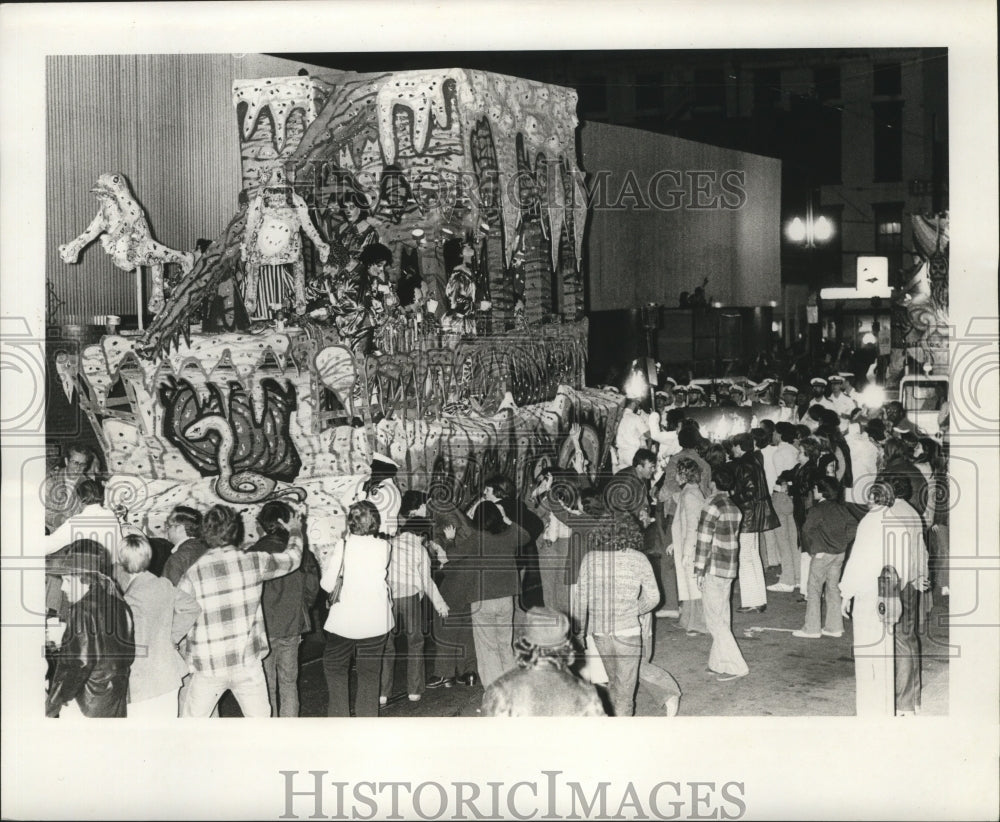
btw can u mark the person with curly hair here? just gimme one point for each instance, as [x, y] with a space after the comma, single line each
[615, 588]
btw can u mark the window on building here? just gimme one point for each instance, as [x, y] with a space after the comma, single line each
[888, 78]
[887, 124]
[710, 91]
[827, 82]
[593, 93]
[889, 236]
[827, 146]
[766, 89]
[648, 92]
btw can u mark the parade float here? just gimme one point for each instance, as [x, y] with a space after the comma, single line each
[248, 384]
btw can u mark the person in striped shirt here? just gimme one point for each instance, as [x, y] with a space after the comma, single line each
[716, 564]
[226, 647]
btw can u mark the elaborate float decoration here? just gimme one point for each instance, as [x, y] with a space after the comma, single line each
[410, 162]
[125, 236]
[920, 327]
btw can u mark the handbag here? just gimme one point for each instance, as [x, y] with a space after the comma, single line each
[334, 596]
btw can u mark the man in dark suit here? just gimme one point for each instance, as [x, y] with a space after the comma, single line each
[184, 531]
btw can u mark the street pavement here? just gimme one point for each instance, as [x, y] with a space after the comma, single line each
[788, 676]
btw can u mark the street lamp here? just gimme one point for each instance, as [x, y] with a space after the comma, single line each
[811, 230]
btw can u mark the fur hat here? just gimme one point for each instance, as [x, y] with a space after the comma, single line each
[545, 627]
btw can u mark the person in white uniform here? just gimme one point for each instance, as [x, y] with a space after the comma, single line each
[632, 434]
[839, 402]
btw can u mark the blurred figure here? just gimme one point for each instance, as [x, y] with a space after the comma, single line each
[97, 646]
[163, 616]
[555, 492]
[897, 462]
[542, 684]
[631, 435]
[897, 423]
[932, 461]
[501, 490]
[864, 465]
[840, 403]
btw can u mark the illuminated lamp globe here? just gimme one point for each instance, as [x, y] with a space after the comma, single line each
[823, 229]
[796, 231]
[869, 339]
[873, 396]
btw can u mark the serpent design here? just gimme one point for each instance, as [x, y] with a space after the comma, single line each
[244, 486]
[241, 439]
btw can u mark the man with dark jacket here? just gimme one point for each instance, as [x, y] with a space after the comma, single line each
[286, 602]
[751, 495]
[97, 648]
[500, 490]
[184, 531]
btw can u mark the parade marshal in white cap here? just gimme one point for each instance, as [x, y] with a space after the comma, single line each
[696, 395]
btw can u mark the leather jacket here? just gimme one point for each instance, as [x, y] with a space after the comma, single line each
[750, 493]
[94, 659]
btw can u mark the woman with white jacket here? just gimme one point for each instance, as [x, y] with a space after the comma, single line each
[684, 531]
[361, 617]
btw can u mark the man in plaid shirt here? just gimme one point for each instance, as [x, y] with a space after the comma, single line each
[226, 647]
[716, 564]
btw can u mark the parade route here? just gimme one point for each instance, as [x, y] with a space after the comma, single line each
[788, 676]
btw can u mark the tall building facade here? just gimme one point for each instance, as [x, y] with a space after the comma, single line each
[862, 135]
